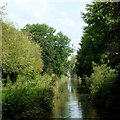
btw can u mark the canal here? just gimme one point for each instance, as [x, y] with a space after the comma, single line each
[75, 103]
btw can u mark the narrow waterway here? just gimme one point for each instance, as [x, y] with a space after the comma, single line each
[75, 103]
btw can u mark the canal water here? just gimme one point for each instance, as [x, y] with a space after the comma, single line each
[75, 103]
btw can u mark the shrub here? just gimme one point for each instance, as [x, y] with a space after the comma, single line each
[103, 86]
[28, 99]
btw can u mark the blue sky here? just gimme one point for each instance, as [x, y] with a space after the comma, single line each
[62, 15]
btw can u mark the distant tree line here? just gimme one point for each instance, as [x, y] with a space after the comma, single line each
[55, 47]
[35, 49]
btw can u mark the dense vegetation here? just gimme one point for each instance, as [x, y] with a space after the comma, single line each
[55, 48]
[72, 68]
[99, 55]
[32, 58]
[19, 54]
[28, 98]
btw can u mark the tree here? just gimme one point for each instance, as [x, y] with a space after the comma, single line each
[101, 37]
[55, 47]
[72, 68]
[43, 35]
[101, 46]
[63, 50]
[20, 55]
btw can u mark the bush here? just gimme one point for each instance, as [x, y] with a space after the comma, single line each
[103, 86]
[28, 99]
[20, 55]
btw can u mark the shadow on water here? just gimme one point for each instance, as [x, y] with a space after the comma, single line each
[75, 103]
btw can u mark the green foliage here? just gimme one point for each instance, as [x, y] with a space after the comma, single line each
[19, 54]
[55, 48]
[61, 86]
[63, 50]
[28, 99]
[103, 86]
[72, 68]
[23, 56]
[43, 35]
[100, 44]
[100, 38]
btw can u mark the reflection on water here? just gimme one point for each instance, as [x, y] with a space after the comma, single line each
[75, 104]
[69, 87]
[73, 107]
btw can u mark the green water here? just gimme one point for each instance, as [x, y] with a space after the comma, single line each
[75, 103]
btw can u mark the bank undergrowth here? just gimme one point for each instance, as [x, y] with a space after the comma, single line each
[28, 99]
[104, 87]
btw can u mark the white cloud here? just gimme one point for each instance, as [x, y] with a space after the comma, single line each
[63, 17]
[63, 13]
[35, 7]
[68, 1]
[39, 12]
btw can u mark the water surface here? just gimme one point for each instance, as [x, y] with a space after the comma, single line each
[75, 103]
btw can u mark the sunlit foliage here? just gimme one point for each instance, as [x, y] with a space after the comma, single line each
[19, 53]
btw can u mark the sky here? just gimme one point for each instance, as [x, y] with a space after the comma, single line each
[62, 15]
